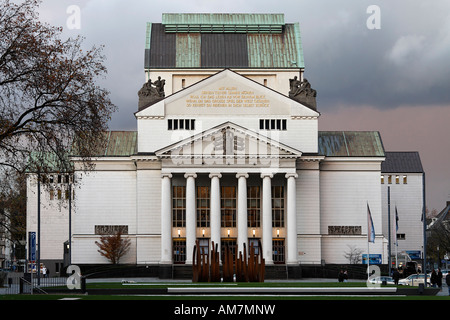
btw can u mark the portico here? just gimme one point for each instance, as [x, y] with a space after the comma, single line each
[228, 208]
[247, 193]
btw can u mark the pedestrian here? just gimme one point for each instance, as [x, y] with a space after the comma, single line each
[396, 276]
[433, 278]
[439, 279]
[44, 272]
[341, 276]
[345, 276]
[447, 280]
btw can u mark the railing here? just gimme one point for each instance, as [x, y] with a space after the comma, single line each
[20, 285]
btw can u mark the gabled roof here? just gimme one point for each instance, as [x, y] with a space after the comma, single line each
[402, 162]
[223, 41]
[157, 108]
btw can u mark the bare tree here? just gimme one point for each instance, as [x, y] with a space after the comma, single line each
[50, 106]
[354, 255]
[113, 247]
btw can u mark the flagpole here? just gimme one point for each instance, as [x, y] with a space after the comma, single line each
[396, 239]
[389, 229]
[368, 243]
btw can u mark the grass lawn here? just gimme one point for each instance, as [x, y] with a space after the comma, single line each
[158, 285]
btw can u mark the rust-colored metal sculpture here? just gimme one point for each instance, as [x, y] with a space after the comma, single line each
[206, 266]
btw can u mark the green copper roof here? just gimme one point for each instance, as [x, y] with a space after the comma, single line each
[350, 144]
[223, 41]
[223, 22]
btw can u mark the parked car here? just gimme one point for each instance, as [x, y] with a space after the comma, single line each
[381, 280]
[414, 280]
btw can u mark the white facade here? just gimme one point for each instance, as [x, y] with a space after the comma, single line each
[227, 157]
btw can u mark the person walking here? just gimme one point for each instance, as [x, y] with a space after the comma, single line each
[433, 278]
[439, 279]
[341, 276]
[396, 276]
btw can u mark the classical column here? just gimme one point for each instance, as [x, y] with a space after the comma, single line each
[190, 215]
[291, 221]
[267, 217]
[166, 219]
[215, 209]
[242, 211]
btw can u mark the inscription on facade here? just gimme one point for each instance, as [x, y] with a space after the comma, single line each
[344, 230]
[110, 229]
[227, 97]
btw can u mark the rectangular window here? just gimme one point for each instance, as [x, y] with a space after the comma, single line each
[278, 206]
[390, 179]
[273, 124]
[180, 124]
[229, 244]
[253, 243]
[203, 206]
[179, 251]
[228, 207]
[179, 206]
[382, 179]
[397, 179]
[253, 207]
[405, 179]
[278, 251]
[401, 236]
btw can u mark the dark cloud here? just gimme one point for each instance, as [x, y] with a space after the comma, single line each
[402, 66]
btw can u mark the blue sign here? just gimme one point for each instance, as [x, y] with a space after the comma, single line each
[416, 254]
[32, 246]
[374, 259]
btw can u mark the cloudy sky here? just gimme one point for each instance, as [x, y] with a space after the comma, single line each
[395, 79]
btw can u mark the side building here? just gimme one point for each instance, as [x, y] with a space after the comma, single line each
[402, 182]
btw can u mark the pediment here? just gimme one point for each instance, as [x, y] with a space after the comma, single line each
[227, 92]
[228, 141]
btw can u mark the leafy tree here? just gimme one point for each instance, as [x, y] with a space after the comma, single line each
[113, 247]
[49, 102]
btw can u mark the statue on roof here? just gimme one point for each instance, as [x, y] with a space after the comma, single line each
[302, 92]
[151, 92]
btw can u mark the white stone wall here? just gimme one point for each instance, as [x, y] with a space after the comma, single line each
[344, 195]
[103, 197]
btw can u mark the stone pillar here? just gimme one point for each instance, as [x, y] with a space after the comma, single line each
[215, 209]
[191, 220]
[242, 212]
[291, 221]
[166, 219]
[267, 217]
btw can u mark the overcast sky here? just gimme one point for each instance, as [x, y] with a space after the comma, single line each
[395, 79]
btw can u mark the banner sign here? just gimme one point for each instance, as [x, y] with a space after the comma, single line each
[32, 246]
